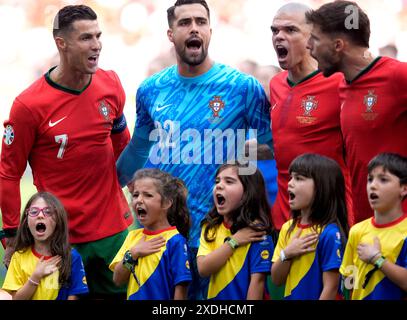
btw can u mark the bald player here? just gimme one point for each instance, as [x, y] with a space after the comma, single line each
[305, 105]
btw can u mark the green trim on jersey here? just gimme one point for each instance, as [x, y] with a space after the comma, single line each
[312, 74]
[62, 88]
[364, 71]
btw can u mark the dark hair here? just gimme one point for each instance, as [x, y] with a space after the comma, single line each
[331, 18]
[329, 204]
[68, 15]
[263, 151]
[178, 3]
[173, 189]
[391, 162]
[59, 241]
[254, 211]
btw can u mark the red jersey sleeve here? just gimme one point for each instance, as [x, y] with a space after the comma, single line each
[120, 141]
[18, 138]
[400, 77]
[401, 85]
[120, 133]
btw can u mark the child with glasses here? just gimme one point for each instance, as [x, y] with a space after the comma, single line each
[44, 266]
[375, 261]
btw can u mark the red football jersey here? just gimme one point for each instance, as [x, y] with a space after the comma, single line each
[304, 119]
[65, 135]
[373, 120]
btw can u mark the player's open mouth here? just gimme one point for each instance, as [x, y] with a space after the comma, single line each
[194, 44]
[93, 59]
[282, 52]
[291, 195]
[40, 227]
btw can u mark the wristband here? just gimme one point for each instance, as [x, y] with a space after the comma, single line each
[283, 257]
[377, 265]
[372, 257]
[232, 242]
[8, 233]
[130, 264]
[34, 283]
[128, 261]
[379, 262]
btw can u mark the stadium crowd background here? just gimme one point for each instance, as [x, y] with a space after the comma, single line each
[135, 44]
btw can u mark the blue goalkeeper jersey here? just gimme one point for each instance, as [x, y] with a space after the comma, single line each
[196, 124]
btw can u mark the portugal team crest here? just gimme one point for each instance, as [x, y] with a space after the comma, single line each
[370, 100]
[216, 105]
[104, 110]
[8, 135]
[309, 105]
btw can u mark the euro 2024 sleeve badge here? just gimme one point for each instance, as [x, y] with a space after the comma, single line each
[8, 135]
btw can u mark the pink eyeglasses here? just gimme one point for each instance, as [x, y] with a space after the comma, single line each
[35, 211]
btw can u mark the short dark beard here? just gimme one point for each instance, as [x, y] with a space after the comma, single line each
[330, 71]
[193, 61]
[333, 66]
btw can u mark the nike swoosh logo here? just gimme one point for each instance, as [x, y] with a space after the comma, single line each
[159, 108]
[51, 124]
[274, 106]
